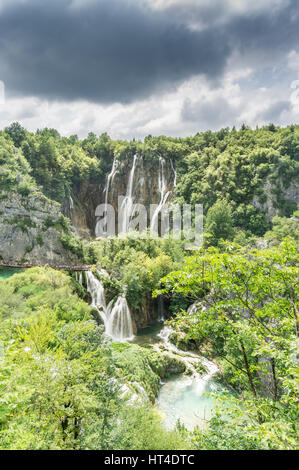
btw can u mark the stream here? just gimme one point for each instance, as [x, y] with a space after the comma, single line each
[183, 397]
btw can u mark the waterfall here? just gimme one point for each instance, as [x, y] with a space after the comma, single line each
[109, 181]
[161, 309]
[127, 205]
[162, 185]
[78, 277]
[174, 172]
[97, 292]
[116, 316]
[186, 397]
[110, 178]
[119, 323]
[71, 209]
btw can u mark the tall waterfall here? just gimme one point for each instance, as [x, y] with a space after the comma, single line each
[162, 184]
[71, 213]
[116, 316]
[136, 187]
[110, 178]
[127, 205]
[174, 172]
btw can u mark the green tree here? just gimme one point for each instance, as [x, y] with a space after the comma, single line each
[16, 132]
[219, 222]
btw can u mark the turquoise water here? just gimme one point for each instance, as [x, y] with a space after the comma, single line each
[5, 273]
[182, 397]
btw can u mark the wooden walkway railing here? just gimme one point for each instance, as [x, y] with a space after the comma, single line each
[6, 264]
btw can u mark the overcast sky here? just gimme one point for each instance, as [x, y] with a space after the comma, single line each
[138, 67]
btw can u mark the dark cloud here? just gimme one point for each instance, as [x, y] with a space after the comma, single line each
[118, 51]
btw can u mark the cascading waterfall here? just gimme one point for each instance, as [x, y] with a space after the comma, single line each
[185, 397]
[71, 203]
[190, 359]
[109, 181]
[79, 277]
[97, 292]
[162, 184]
[127, 206]
[71, 213]
[161, 317]
[116, 316]
[174, 172]
[119, 323]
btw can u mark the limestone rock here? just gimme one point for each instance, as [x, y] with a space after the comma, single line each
[29, 230]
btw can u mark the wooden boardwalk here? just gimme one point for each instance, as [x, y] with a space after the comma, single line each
[6, 264]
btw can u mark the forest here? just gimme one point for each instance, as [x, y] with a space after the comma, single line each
[65, 383]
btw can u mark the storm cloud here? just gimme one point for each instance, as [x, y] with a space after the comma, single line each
[121, 51]
[104, 52]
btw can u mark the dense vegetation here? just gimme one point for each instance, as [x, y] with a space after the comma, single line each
[247, 320]
[247, 170]
[64, 384]
[60, 379]
[139, 265]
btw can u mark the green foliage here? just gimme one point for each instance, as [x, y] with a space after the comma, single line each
[140, 428]
[145, 367]
[249, 425]
[134, 366]
[60, 380]
[15, 170]
[24, 223]
[138, 264]
[249, 323]
[219, 222]
[283, 227]
[73, 244]
[17, 133]
[211, 167]
[235, 166]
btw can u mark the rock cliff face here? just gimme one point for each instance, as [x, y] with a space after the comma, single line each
[144, 181]
[269, 205]
[30, 229]
[152, 181]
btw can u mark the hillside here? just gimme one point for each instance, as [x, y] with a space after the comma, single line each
[255, 172]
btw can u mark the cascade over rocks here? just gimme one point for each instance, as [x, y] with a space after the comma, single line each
[116, 316]
[138, 179]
